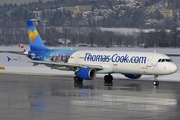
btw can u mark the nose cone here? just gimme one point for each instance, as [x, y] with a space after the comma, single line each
[173, 68]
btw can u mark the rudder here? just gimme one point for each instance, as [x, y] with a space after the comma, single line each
[36, 43]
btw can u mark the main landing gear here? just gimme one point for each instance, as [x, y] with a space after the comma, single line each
[156, 82]
[78, 79]
[108, 78]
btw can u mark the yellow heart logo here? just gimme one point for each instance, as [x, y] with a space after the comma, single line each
[32, 35]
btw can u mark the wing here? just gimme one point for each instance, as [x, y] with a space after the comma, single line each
[61, 64]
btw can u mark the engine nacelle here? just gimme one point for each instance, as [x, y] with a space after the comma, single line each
[87, 73]
[136, 76]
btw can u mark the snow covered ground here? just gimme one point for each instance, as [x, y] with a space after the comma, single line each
[27, 68]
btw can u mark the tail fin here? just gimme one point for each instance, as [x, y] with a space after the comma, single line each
[36, 43]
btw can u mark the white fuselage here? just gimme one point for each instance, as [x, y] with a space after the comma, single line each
[144, 63]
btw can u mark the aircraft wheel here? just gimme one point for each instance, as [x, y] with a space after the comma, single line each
[156, 83]
[78, 79]
[108, 78]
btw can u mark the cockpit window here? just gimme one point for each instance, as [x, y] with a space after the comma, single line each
[168, 60]
[165, 60]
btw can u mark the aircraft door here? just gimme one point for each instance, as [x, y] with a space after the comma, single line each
[149, 61]
[77, 58]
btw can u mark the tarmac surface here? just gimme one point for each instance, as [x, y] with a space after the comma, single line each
[28, 97]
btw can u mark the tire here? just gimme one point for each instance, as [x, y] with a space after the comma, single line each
[156, 83]
[106, 79]
[110, 77]
[76, 79]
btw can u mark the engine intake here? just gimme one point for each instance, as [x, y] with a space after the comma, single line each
[87, 73]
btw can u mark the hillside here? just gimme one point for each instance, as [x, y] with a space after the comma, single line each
[2, 2]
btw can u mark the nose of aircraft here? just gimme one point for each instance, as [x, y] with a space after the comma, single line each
[173, 68]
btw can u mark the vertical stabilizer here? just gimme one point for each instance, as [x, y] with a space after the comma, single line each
[36, 43]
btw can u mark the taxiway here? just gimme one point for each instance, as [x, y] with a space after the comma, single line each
[38, 97]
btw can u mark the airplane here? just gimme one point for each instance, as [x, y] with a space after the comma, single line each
[87, 64]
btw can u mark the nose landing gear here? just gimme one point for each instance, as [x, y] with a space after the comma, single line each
[156, 82]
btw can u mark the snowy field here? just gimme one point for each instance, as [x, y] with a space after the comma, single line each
[27, 68]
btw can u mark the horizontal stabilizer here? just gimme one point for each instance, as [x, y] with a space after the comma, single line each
[14, 52]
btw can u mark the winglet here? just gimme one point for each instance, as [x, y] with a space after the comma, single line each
[8, 58]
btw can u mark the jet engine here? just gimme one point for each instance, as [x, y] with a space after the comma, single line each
[87, 73]
[136, 76]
